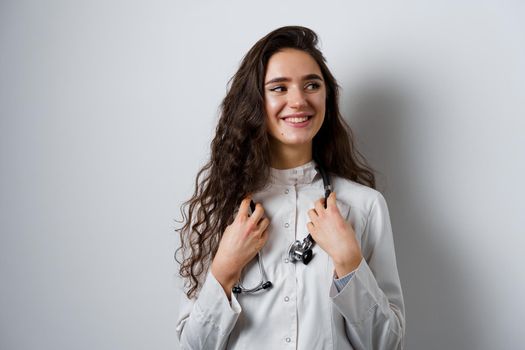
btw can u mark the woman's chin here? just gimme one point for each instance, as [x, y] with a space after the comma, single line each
[296, 143]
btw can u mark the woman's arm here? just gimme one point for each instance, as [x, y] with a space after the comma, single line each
[206, 323]
[372, 301]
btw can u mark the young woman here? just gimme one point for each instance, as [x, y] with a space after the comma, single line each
[310, 263]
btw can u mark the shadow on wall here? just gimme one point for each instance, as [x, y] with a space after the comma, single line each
[384, 120]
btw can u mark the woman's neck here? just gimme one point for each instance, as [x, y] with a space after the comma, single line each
[286, 157]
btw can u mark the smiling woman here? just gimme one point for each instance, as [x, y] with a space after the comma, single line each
[258, 211]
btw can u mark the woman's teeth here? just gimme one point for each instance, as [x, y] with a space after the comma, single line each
[297, 120]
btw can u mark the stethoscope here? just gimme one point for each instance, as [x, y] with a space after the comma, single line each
[298, 251]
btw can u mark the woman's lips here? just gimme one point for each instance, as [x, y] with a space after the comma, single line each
[297, 120]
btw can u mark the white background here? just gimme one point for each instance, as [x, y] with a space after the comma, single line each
[108, 107]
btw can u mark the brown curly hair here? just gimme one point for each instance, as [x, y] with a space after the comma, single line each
[240, 156]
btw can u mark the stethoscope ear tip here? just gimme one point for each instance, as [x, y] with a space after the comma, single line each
[267, 285]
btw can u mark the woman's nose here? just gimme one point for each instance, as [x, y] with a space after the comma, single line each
[296, 98]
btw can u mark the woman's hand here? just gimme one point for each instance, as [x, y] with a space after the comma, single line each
[239, 244]
[334, 235]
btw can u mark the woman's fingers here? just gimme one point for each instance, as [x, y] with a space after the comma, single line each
[264, 235]
[260, 241]
[263, 238]
[332, 200]
[257, 215]
[311, 228]
[263, 225]
[319, 206]
[256, 222]
[312, 214]
[244, 208]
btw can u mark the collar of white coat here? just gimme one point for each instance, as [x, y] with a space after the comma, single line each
[303, 174]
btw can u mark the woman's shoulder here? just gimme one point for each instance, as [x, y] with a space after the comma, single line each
[355, 194]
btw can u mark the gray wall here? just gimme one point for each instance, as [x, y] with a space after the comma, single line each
[107, 110]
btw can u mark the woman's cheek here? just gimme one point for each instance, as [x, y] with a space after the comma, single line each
[273, 104]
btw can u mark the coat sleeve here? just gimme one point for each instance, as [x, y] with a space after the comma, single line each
[372, 301]
[207, 321]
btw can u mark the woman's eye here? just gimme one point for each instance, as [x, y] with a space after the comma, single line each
[278, 89]
[313, 86]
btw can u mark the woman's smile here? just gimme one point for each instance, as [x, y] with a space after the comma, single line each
[297, 120]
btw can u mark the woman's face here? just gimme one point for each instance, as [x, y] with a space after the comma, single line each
[295, 95]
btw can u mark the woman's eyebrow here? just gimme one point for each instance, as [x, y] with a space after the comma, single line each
[306, 77]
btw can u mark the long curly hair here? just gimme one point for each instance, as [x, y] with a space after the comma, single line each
[240, 158]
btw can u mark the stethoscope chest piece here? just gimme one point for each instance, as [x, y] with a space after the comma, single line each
[301, 251]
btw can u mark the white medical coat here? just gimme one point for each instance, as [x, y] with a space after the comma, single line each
[304, 309]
